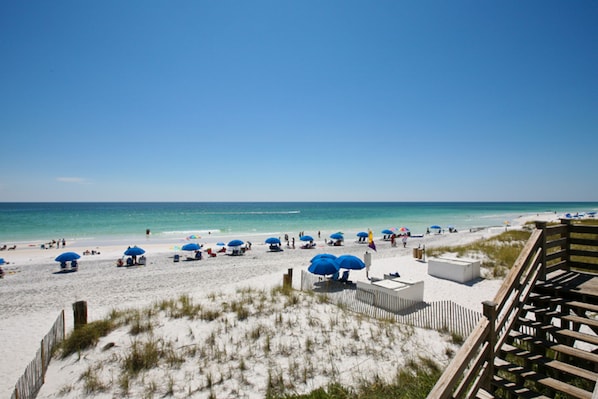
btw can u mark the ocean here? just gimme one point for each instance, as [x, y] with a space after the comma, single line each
[102, 223]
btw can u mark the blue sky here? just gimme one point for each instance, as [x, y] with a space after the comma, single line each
[298, 100]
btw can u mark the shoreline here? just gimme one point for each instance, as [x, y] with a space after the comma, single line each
[32, 295]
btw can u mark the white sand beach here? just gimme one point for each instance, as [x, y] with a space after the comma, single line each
[32, 295]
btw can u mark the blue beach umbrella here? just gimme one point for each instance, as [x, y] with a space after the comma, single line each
[387, 231]
[220, 244]
[350, 262]
[235, 243]
[307, 238]
[1, 261]
[435, 227]
[134, 251]
[324, 266]
[67, 257]
[337, 236]
[192, 246]
[272, 240]
[362, 234]
[322, 256]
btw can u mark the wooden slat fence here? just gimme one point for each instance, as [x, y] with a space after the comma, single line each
[32, 379]
[445, 316]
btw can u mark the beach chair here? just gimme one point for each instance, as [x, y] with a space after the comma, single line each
[176, 258]
[345, 277]
[63, 266]
[142, 260]
[74, 265]
[129, 261]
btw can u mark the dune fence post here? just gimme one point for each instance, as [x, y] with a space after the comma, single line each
[80, 313]
[287, 279]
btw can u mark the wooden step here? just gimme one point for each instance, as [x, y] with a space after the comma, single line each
[507, 349]
[553, 364]
[552, 383]
[581, 320]
[544, 312]
[582, 305]
[578, 353]
[572, 370]
[564, 349]
[518, 390]
[590, 339]
[541, 300]
[538, 325]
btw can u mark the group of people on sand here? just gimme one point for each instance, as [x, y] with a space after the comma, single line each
[7, 248]
[393, 240]
[51, 244]
[131, 261]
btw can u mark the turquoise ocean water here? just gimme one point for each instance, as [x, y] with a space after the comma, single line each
[106, 222]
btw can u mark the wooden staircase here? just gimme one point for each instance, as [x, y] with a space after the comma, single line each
[551, 352]
[539, 336]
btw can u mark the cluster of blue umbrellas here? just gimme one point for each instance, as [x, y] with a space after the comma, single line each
[325, 264]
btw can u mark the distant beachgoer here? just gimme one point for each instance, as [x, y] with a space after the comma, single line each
[405, 241]
[147, 232]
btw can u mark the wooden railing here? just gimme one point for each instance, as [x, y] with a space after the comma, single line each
[565, 246]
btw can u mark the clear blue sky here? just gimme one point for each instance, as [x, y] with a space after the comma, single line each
[298, 100]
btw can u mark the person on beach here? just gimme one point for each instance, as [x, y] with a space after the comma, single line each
[405, 241]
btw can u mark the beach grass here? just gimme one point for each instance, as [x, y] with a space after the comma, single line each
[86, 336]
[414, 381]
[247, 330]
